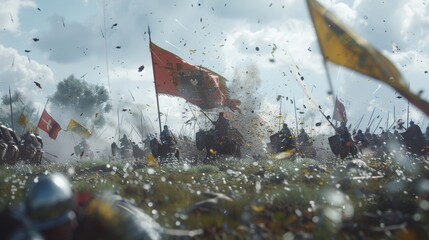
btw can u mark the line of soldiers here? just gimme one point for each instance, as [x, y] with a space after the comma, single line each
[412, 138]
[28, 147]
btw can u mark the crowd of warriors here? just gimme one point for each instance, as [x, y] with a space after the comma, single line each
[407, 140]
[28, 147]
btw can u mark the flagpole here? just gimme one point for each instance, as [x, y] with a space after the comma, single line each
[408, 108]
[296, 117]
[119, 127]
[11, 112]
[154, 80]
[42, 112]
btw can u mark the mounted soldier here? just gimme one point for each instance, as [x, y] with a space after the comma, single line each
[165, 149]
[303, 138]
[305, 145]
[221, 128]
[361, 139]
[125, 142]
[223, 139]
[167, 137]
[286, 139]
[414, 139]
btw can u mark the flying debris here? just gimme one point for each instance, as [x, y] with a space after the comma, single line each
[64, 25]
[27, 51]
[81, 114]
[257, 48]
[39, 9]
[35, 39]
[83, 75]
[318, 124]
[132, 95]
[114, 25]
[11, 18]
[118, 47]
[141, 68]
[124, 110]
[38, 84]
[96, 114]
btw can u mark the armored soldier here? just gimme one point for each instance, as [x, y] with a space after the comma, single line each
[221, 127]
[167, 137]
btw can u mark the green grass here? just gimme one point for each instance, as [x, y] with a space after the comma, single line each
[270, 197]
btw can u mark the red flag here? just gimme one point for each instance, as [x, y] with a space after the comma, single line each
[339, 111]
[198, 85]
[49, 125]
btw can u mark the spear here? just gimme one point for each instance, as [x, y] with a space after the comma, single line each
[357, 127]
[370, 118]
[10, 103]
[375, 129]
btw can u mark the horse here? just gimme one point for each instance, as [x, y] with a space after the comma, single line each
[163, 152]
[229, 145]
[342, 149]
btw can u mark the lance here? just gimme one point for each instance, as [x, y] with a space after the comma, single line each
[328, 119]
[375, 129]
[370, 118]
[208, 117]
[357, 127]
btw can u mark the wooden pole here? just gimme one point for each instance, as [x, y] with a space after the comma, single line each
[156, 88]
[11, 112]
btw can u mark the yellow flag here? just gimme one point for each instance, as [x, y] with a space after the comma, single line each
[342, 46]
[78, 129]
[23, 120]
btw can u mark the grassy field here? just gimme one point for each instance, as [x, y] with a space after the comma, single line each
[264, 199]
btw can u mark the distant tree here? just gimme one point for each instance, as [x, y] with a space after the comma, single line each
[20, 105]
[82, 99]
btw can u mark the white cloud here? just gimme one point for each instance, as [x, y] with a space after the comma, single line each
[20, 73]
[9, 13]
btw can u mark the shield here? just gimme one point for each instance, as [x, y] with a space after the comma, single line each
[275, 138]
[200, 140]
[155, 147]
[335, 144]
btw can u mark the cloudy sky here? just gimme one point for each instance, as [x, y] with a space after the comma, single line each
[105, 41]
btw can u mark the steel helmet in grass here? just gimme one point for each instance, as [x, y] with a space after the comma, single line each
[49, 201]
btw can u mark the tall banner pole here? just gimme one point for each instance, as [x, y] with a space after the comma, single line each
[119, 126]
[296, 117]
[156, 88]
[11, 112]
[43, 112]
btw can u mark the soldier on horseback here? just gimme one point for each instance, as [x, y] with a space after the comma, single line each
[343, 132]
[167, 137]
[221, 128]
[303, 138]
[286, 139]
[361, 139]
[414, 139]
[125, 142]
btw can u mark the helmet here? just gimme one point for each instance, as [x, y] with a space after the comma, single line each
[49, 202]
